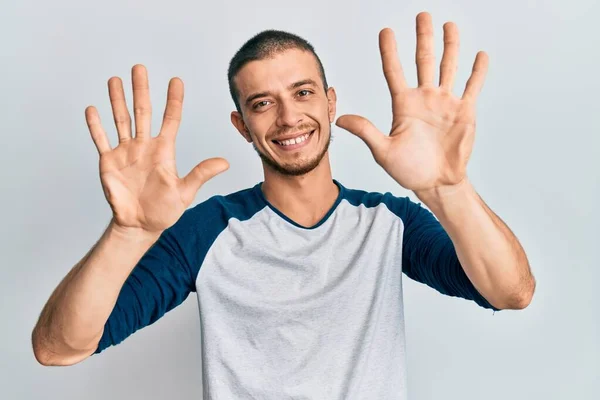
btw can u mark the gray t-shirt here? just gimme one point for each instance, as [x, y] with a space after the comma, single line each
[293, 312]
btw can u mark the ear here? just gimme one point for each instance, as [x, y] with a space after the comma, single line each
[331, 103]
[238, 121]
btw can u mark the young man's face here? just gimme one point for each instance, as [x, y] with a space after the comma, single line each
[286, 112]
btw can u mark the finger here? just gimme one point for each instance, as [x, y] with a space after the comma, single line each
[119, 108]
[96, 131]
[449, 63]
[392, 69]
[173, 109]
[201, 174]
[142, 109]
[475, 82]
[365, 130]
[425, 58]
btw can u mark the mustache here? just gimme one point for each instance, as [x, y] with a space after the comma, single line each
[297, 129]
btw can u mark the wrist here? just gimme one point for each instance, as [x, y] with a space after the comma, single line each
[443, 198]
[132, 235]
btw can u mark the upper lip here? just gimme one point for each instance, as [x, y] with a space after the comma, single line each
[293, 136]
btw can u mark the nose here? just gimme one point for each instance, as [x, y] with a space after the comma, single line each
[288, 114]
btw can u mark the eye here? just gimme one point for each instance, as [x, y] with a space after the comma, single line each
[304, 92]
[260, 104]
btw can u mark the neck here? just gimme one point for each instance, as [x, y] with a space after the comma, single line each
[305, 199]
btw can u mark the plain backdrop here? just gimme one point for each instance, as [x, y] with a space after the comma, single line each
[535, 162]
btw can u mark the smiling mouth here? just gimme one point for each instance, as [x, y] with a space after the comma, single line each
[294, 141]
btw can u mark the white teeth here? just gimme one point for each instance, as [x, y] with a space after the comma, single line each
[297, 140]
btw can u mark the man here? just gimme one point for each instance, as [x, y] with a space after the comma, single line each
[299, 278]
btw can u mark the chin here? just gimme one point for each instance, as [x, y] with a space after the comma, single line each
[299, 167]
[295, 169]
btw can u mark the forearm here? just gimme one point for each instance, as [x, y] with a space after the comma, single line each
[488, 251]
[72, 321]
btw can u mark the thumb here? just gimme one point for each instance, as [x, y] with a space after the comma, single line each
[201, 174]
[364, 129]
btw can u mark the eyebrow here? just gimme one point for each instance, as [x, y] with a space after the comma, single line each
[294, 85]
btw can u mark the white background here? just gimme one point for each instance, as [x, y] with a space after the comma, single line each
[535, 162]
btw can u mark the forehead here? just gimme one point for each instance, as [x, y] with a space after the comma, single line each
[277, 72]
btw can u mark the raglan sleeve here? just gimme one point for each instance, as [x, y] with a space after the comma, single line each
[161, 280]
[429, 255]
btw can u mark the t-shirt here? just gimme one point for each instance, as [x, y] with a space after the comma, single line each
[294, 312]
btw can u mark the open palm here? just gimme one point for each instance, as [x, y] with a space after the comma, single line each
[139, 176]
[432, 132]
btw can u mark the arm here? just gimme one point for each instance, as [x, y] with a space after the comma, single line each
[72, 321]
[427, 151]
[488, 251]
[138, 270]
[428, 254]
[126, 282]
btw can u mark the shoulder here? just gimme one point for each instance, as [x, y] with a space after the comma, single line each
[402, 206]
[198, 228]
[213, 214]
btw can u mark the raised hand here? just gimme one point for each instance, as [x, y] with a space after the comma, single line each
[432, 130]
[139, 176]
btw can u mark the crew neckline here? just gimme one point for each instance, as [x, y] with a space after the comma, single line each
[261, 195]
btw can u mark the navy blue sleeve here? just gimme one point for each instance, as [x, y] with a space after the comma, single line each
[428, 254]
[162, 279]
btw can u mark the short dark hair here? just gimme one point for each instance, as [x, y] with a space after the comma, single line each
[264, 45]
